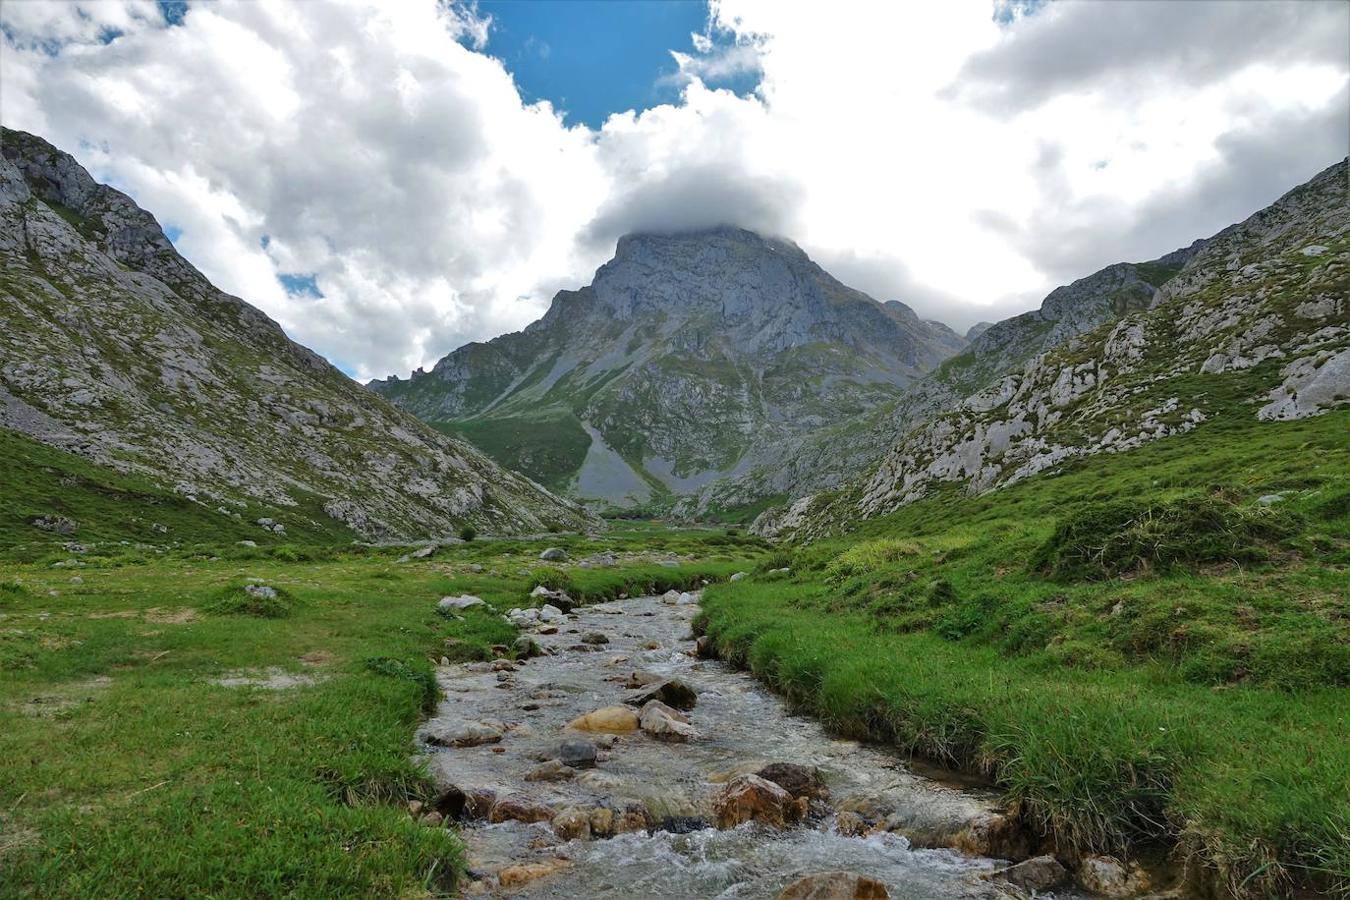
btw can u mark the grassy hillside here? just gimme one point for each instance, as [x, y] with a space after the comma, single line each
[38, 481]
[131, 771]
[1148, 647]
[549, 447]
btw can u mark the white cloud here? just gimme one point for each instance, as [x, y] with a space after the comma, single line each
[925, 153]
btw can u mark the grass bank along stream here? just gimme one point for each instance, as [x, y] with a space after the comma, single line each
[166, 733]
[1150, 648]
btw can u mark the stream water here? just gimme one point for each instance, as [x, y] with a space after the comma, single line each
[741, 726]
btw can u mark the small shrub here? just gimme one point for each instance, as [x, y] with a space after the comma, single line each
[258, 600]
[12, 590]
[419, 672]
[553, 579]
[1110, 539]
[468, 533]
[965, 618]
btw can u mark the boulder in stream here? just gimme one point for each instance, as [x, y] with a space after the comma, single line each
[749, 798]
[1040, 873]
[799, 781]
[670, 691]
[610, 719]
[577, 754]
[835, 886]
[462, 734]
[519, 808]
[664, 723]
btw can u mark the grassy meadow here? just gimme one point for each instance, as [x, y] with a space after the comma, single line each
[131, 770]
[1149, 650]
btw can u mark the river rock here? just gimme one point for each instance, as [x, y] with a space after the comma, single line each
[670, 597]
[462, 734]
[552, 770]
[464, 601]
[594, 637]
[611, 719]
[850, 824]
[665, 723]
[1110, 877]
[749, 798]
[553, 554]
[578, 754]
[573, 824]
[641, 679]
[551, 614]
[519, 874]
[1040, 873]
[835, 886]
[704, 647]
[670, 691]
[799, 781]
[519, 809]
[526, 647]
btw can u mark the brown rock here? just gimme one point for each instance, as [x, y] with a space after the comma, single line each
[573, 824]
[850, 824]
[520, 874]
[1040, 873]
[748, 798]
[520, 809]
[610, 719]
[670, 691]
[552, 770]
[799, 781]
[1110, 877]
[433, 819]
[835, 886]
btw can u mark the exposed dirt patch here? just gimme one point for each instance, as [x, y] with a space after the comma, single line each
[317, 658]
[162, 616]
[272, 679]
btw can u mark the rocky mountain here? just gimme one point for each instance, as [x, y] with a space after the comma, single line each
[690, 357]
[825, 458]
[1252, 327]
[113, 347]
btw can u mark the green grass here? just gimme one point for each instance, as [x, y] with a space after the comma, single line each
[548, 448]
[1135, 650]
[128, 771]
[37, 480]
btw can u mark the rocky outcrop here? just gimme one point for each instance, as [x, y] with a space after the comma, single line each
[1252, 308]
[113, 347]
[689, 357]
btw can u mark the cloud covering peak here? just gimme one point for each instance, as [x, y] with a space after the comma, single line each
[369, 175]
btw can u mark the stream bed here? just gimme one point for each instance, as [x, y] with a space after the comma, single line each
[501, 723]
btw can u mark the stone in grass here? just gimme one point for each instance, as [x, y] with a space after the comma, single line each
[553, 554]
[835, 886]
[463, 601]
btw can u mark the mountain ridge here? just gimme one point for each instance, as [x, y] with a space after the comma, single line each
[117, 349]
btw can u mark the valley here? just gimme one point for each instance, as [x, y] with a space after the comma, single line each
[1061, 607]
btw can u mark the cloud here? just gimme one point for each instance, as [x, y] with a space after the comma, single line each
[371, 178]
[1122, 48]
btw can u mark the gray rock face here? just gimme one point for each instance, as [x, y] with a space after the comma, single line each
[688, 358]
[978, 377]
[114, 347]
[1245, 299]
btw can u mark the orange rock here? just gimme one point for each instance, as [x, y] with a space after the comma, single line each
[835, 886]
[610, 719]
[749, 798]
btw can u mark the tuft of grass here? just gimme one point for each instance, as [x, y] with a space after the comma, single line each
[238, 600]
[1123, 536]
[418, 672]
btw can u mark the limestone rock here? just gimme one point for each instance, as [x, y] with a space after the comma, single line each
[670, 691]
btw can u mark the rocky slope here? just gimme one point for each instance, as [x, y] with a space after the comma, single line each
[825, 458]
[112, 346]
[1254, 324]
[689, 357]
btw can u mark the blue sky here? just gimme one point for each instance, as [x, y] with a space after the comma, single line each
[591, 58]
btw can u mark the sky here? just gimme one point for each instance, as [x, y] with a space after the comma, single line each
[391, 180]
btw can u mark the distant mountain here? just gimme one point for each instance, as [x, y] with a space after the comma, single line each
[113, 347]
[825, 458]
[1250, 326]
[689, 357]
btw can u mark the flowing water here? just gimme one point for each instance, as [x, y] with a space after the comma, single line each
[741, 727]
